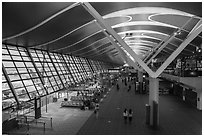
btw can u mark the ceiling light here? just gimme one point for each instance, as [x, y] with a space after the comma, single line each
[177, 32]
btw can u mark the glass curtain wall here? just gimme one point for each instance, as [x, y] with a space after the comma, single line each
[7, 96]
[30, 73]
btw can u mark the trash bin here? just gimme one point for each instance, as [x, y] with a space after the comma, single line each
[147, 107]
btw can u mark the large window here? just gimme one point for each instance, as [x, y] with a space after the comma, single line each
[35, 72]
[78, 64]
[83, 68]
[7, 96]
[47, 71]
[86, 67]
[93, 65]
[72, 68]
[89, 66]
[61, 68]
[21, 72]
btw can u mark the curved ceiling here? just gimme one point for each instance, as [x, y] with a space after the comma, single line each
[69, 29]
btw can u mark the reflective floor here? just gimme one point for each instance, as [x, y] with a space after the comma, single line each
[176, 117]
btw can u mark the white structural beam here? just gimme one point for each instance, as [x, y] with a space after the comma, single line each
[166, 41]
[190, 37]
[122, 54]
[198, 24]
[161, 47]
[108, 28]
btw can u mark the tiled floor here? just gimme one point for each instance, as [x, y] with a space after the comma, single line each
[66, 121]
[176, 117]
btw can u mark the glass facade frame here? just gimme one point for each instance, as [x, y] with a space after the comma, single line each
[30, 70]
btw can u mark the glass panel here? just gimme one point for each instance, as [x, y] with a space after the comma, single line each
[14, 77]
[23, 54]
[19, 64]
[28, 82]
[6, 57]
[25, 76]
[14, 52]
[22, 70]
[8, 64]
[4, 51]
[7, 95]
[26, 58]
[29, 64]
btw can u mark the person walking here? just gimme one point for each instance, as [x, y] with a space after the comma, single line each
[125, 115]
[118, 87]
[96, 111]
[129, 88]
[130, 115]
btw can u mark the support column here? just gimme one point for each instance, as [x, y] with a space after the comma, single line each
[154, 101]
[140, 80]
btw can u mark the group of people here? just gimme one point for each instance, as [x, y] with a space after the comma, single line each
[127, 115]
[125, 80]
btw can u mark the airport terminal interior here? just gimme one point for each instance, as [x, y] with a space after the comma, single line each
[102, 68]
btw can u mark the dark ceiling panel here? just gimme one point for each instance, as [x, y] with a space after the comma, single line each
[105, 46]
[190, 25]
[116, 20]
[175, 20]
[99, 49]
[104, 8]
[85, 42]
[92, 46]
[75, 37]
[191, 48]
[27, 14]
[197, 41]
[101, 52]
[175, 41]
[18, 17]
[168, 48]
[91, 50]
[55, 28]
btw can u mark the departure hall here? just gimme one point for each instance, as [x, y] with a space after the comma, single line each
[101, 68]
